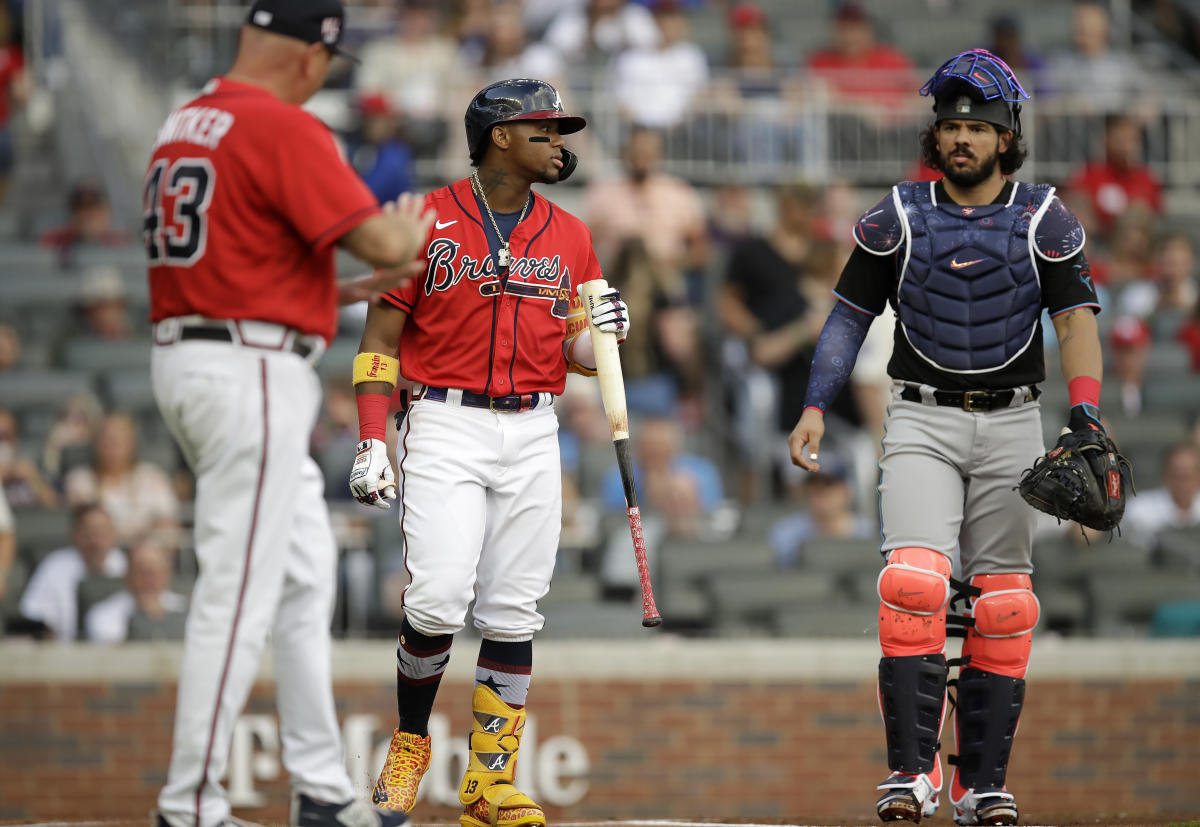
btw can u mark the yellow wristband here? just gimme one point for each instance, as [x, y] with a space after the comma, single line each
[375, 367]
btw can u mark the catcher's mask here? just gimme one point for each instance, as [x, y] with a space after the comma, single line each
[976, 85]
[518, 99]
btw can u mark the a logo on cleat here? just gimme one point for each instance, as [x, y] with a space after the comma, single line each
[495, 761]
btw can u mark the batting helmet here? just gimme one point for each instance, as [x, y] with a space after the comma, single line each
[977, 85]
[519, 99]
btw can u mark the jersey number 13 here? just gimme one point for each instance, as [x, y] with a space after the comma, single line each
[186, 186]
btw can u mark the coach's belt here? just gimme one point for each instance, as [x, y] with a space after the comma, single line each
[222, 334]
[242, 332]
[974, 401]
[508, 404]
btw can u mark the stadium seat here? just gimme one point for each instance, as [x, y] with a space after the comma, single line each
[1167, 361]
[1064, 608]
[750, 595]
[1178, 549]
[593, 620]
[170, 627]
[41, 531]
[338, 359]
[1123, 604]
[684, 606]
[841, 556]
[90, 592]
[20, 257]
[571, 589]
[833, 619]
[131, 390]
[1173, 396]
[14, 585]
[93, 355]
[690, 561]
[23, 389]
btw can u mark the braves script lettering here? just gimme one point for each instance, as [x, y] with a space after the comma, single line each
[447, 268]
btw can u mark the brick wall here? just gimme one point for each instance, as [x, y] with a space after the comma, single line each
[772, 745]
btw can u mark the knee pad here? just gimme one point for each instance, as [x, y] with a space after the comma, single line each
[914, 588]
[1004, 616]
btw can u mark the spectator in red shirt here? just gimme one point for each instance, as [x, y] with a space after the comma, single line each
[1189, 336]
[90, 222]
[858, 69]
[1107, 187]
[14, 89]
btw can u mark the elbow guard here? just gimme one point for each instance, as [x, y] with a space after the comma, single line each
[577, 343]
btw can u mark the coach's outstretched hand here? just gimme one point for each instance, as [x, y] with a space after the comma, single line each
[371, 478]
[805, 440]
[391, 240]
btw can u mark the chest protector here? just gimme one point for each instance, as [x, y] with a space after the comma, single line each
[968, 296]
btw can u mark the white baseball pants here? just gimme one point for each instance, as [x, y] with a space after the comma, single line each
[482, 497]
[267, 564]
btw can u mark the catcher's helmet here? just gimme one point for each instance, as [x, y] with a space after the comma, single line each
[519, 99]
[977, 85]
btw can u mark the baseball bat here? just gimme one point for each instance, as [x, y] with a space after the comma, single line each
[612, 392]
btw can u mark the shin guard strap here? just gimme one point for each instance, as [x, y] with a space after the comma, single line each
[989, 706]
[912, 693]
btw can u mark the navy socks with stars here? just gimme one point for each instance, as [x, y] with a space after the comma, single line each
[420, 662]
[504, 667]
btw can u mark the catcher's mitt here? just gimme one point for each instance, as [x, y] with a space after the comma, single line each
[1083, 478]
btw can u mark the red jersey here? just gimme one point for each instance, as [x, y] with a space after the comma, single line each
[883, 75]
[1111, 190]
[474, 327]
[12, 61]
[243, 201]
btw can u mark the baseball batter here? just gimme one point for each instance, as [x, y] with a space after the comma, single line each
[486, 337]
[245, 197]
[968, 263]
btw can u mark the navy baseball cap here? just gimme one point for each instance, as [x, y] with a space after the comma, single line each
[313, 21]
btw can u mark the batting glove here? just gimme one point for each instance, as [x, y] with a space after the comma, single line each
[611, 314]
[371, 479]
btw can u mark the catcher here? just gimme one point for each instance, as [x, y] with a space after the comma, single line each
[968, 263]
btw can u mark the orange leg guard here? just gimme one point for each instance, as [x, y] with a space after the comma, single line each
[914, 588]
[1005, 615]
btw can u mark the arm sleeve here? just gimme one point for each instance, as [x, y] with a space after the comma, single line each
[837, 348]
[1067, 284]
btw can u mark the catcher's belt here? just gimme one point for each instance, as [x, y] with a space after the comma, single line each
[974, 401]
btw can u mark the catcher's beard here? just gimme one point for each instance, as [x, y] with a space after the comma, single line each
[967, 178]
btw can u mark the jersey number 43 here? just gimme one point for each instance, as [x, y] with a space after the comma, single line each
[181, 189]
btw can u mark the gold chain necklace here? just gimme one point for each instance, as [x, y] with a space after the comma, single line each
[504, 257]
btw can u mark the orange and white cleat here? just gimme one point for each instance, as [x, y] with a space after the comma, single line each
[407, 760]
[909, 797]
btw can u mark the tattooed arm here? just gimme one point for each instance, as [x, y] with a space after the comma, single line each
[1082, 361]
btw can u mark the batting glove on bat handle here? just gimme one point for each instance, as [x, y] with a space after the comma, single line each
[611, 314]
[372, 481]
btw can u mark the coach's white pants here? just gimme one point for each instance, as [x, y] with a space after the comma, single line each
[267, 568]
[482, 496]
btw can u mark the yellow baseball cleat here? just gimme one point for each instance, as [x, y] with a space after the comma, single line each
[487, 792]
[407, 760]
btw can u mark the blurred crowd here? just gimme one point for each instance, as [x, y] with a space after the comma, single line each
[729, 282]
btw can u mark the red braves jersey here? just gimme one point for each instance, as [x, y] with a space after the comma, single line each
[243, 201]
[471, 326]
